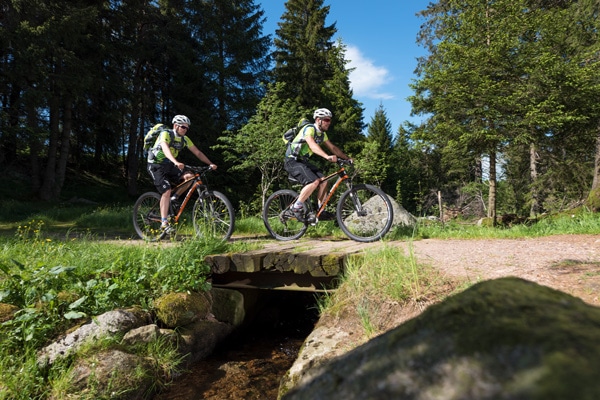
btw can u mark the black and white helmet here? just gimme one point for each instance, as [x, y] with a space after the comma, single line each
[322, 113]
[181, 119]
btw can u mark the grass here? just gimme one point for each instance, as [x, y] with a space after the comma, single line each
[388, 275]
[384, 276]
[57, 281]
[578, 221]
[56, 267]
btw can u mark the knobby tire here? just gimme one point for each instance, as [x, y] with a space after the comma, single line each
[146, 217]
[213, 216]
[278, 220]
[365, 213]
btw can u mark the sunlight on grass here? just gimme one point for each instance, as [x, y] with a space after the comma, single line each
[386, 275]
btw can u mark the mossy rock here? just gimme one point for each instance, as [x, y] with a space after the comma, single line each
[181, 309]
[507, 338]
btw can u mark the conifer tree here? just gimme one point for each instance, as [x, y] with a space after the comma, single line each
[314, 69]
[302, 44]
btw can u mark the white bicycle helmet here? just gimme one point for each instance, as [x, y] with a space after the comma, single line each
[322, 113]
[181, 119]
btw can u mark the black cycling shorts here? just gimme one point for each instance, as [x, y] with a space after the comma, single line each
[302, 171]
[163, 174]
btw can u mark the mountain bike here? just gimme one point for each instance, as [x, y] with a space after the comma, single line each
[364, 212]
[212, 214]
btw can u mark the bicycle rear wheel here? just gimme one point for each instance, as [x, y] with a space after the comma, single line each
[365, 213]
[278, 218]
[146, 217]
[213, 216]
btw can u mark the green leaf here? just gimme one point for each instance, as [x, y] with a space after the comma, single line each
[77, 303]
[75, 315]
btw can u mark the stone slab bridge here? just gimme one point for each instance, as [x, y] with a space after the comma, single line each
[301, 265]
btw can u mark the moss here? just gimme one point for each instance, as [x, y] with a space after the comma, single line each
[505, 338]
[593, 200]
[331, 264]
[517, 328]
[180, 309]
[7, 312]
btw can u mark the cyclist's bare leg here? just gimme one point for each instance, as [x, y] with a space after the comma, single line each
[322, 192]
[308, 190]
[165, 201]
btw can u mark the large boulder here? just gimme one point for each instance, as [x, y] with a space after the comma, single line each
[506, 338]
[110, 323]
[401, 216]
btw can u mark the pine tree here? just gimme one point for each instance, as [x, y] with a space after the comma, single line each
[314, 70]
[374, 159]
[302, 45]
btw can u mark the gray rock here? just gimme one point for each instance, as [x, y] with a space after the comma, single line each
[228, 306]
[109, 323]
[401, 216]
[110, 374]
[506, 338]
[198, 340]
[143, 334]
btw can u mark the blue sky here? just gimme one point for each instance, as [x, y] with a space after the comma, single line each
[380, 36]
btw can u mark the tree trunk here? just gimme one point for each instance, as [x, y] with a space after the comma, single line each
[492, 192]
[65, 145]
[596, 180]
[35, 147]
[50, 171]
[593, 200]
[133, 149]
[533, 175]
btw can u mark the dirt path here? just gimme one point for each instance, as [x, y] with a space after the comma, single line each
[570, 263]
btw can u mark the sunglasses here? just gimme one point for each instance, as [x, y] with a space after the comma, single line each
[326, 119]
[184, 127]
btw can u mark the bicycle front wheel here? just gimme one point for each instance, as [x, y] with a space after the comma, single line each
[278, 218]
[213, 216]
[146, 217]
[365, 213]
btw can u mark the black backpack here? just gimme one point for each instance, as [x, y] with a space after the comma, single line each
[291, 133]
[152, 135]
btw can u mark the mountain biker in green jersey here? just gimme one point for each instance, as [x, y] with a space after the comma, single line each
[306, 143]
[163, 165]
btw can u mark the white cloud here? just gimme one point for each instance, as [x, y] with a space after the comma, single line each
[366, 79]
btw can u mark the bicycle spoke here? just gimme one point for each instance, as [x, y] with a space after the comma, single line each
[146, 217]
[278, 218]
[213, 216]
[366, 213]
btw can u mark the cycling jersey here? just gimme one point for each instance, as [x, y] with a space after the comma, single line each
[178, 143]
[299, 148]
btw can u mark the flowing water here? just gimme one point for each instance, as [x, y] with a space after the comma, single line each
[250, 365]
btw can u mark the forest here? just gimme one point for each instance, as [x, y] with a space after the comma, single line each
[508, 94]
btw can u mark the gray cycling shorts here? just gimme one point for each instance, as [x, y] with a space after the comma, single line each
[302, 171]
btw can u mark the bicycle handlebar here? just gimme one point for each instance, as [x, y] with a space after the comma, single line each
[198, 169]
[342, 162]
